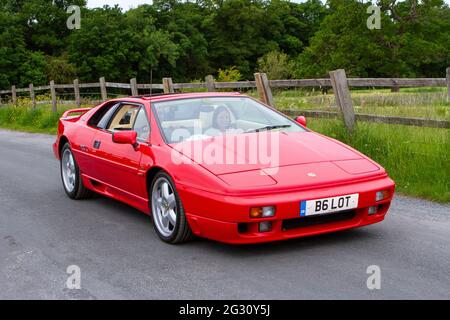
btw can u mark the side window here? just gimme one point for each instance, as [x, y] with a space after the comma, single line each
[124, 118]
[141, 125]
[101, 118]
[103, 123]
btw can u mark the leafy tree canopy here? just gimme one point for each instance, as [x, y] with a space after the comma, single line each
[413, 40]
[188, 40]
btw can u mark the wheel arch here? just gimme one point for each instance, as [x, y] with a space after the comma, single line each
[150, 175]
[62, 141]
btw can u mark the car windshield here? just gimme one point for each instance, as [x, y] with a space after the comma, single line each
[202, 118]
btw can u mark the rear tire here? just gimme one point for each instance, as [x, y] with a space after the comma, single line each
[169, 219]
[71, 177]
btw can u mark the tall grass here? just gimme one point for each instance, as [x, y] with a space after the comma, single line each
[28, 120]
[429, 103]
[41, 119]
[417, 158]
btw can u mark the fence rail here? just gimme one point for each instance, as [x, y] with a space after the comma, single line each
[299, 83]
[338, 81]
[420, 122]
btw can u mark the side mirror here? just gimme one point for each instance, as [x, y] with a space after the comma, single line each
[301, 120]
[125, 137]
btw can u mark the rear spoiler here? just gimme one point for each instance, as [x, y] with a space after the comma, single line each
[74, 113]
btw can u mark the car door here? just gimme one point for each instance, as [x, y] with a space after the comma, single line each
[117, 165]
[83, 144]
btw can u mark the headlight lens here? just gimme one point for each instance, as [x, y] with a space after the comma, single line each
[262, 212]
[381, 195]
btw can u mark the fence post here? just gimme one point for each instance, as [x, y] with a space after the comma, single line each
[13, 95]
[448, 84]
[103, 89]
[210, 83]
[343, 98]
[53, 94]
[134, 89]
[76, 91]
[168, 85]
[395, 87]
[263, 87]
[32, 96]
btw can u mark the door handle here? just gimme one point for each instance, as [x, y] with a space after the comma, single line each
[97, 144]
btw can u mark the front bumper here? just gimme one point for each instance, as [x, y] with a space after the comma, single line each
[226, 218]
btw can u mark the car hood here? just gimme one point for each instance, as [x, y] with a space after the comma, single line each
[238, 153]
[287, 157]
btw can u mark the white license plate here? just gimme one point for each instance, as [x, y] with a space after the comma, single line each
[327, 205]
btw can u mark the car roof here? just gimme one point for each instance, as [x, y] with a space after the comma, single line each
[176, 96]
[167, 97]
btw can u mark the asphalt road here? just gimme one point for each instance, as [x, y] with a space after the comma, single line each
[42, 232]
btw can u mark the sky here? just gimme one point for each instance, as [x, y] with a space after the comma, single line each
[127, 4]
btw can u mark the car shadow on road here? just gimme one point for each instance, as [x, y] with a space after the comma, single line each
[329, 240]
[121, 209]
[335, 239]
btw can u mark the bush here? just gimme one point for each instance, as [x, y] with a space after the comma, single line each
[276, 64]
[229, 75]
[60, 69]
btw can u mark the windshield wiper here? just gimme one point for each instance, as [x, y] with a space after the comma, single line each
[278, 126]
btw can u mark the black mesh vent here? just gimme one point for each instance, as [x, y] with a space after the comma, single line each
[303, 222]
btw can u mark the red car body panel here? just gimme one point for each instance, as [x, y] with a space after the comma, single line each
[217, 198]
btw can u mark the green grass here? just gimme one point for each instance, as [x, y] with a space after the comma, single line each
[417, 158]
[40, 120]
[428, 103]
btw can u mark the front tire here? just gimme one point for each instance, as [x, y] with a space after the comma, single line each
[169, 219]
[71, 177]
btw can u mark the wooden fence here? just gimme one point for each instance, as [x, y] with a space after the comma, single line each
[338, 81]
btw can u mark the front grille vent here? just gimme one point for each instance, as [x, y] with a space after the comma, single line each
[304, 222]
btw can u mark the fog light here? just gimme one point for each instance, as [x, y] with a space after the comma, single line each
[265, 226]
[381, 195]
[262, 212]
[372, 210]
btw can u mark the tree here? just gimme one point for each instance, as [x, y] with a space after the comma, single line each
[44, 23]
[184, 23]
[236, 35]
[408, 44]
[190, 39]
[119, 46]
[291, 25]
[18, 65]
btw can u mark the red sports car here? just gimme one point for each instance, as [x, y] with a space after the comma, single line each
[221, 166]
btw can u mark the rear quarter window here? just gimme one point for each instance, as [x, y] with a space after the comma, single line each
[101, 117]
